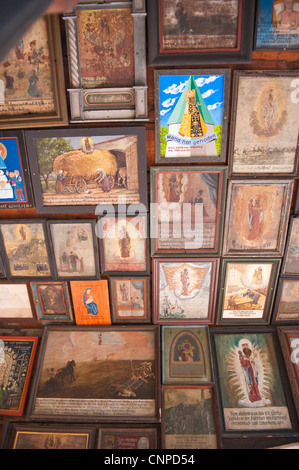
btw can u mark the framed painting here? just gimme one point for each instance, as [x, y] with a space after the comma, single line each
[97, 374]
[107, 63]
[289, 342]
[25, 436]
[124, 244]
[32, 85]
[187, 210]
[182, 33]
[191, 115]
[15, 182]
[277, 25]
[291, 255]
[286, 307]
[74, 247]
[91, 302]
[247, 290]
[257, 214]
[254, 398]
[130, 299]
[189, 419]
[52, 301]
[264, 130]
[121, 437]
[15, 303]
[81, 170]
[186, 357]
[25, 249]
[17, 356]
[184, 290]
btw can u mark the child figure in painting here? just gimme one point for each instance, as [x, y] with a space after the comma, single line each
[91, 306]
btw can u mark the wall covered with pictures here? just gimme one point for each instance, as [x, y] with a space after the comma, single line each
[149, 227]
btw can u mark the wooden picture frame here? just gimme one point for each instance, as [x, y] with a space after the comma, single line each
[25, 436]
[122, 437]
[257, 214]
[16, 304]
[262, 140]
[130, 299]
[36, 95]
[273, 31]
[186, 356]
[187, 213]
[107, 64]
[289, 340]
[18, 353]
[195, 46]
[74, 248]
[75, 156]
[16, 190]
[184, 290]
[285, 310]
[185, 96]
[68, 162]
[124, 244]
[289, 262]
[185, 403]
[107, 395]
[52, 302]
[247, 291]
[246, 411]
[91, 302]
[29, 237]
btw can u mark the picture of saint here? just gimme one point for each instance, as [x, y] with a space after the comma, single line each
[256, 219]
[88, 300]
[52, 299]
[91, 302]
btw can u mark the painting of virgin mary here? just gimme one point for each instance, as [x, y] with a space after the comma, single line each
[92, 308]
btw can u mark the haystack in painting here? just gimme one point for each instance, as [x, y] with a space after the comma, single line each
[78, 163]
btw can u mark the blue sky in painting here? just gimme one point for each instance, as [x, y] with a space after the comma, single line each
[211, 88]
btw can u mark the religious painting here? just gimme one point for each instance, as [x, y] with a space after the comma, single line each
[247, 290]
[214, 32]
[124, 438]
[15, 183]
[191, 115]
[290, 265]
[189, 417]
[289, 342]
[123, 244]
[252, 389]
[264, 131]
[257, 215]
[187, 210]
[28, 436]
[130, 299]
[32, 92]
[74, 248]
[52, 301]
[91, 302]
[184, 290]
[186, 355]
[83, 170]
[17, 354]
[15, 302]
[107, 63]
[97, 374]
[286, 308]
[277, 25]
[25, 248]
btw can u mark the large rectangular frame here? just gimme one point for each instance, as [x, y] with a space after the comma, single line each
[241, 54]
[113, 106]
[60, 116]
[225, 102]
[140, 134]
[100, 411]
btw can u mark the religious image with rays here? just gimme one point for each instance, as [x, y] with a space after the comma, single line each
[184, 289]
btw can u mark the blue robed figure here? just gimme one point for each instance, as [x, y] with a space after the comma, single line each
[91, 306]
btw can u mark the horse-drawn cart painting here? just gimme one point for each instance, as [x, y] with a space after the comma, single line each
[71, 168]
